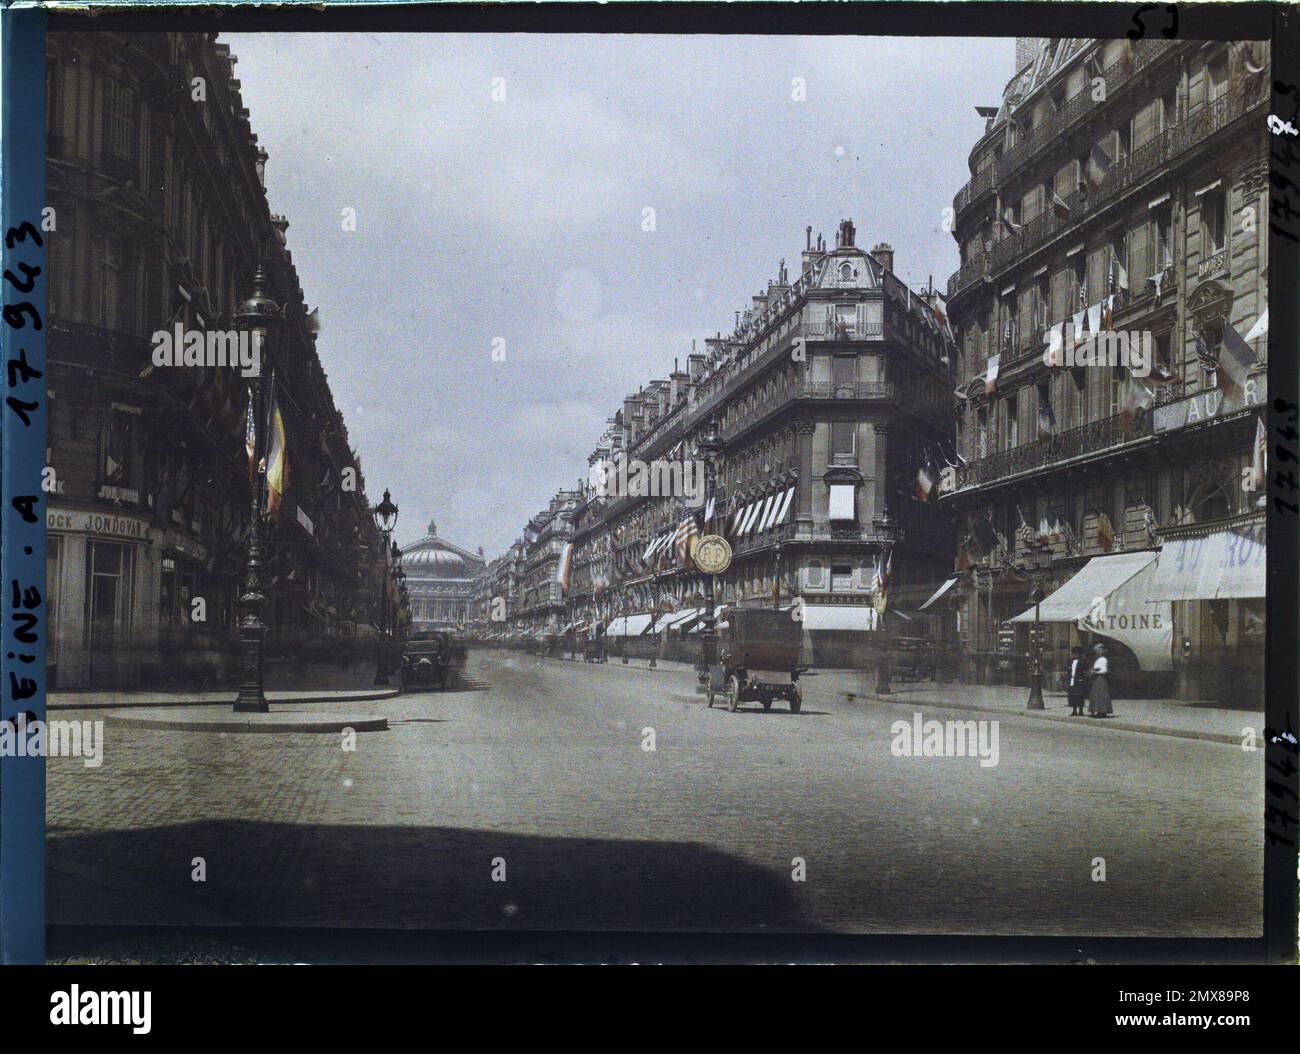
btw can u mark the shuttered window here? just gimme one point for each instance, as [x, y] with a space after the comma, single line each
[1139, 256]
[1097, 277]
[1146, 123]
[1060, 295]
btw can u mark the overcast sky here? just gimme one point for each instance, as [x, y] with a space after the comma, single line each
[521, 219]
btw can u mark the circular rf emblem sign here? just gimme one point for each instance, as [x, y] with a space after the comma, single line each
[712, 554]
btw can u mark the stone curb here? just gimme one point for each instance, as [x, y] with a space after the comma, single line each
[282, 698]
[1040, 715]
[164, 719]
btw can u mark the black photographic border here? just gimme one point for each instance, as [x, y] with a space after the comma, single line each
[21, 866]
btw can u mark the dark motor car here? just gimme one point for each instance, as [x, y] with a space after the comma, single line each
[434, 658]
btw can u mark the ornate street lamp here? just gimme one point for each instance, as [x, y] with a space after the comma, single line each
[1036, 678]
[385, 514]
[710, 446]
[258, 316]
[888, 530]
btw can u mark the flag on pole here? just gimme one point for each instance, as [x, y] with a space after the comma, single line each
[1059, 206]
[277, 462]
[250, 437]
[991, 375]
[1046, 416]
[1024, 533]
[565, 567]
[1100, 161]
[1259, 329]
[1044, 531]
[1259, 462]
[1208, 356]
[1235, 362]
[924, 477]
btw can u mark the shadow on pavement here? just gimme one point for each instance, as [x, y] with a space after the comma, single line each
[262, 874]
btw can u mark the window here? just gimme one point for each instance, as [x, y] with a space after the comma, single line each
[121, 120]
[1217, 75]
[983, 417]
[844, 436]
[841, 578]
[1013, 421]
[844, 369]
[1213, 222]
[1162, 249]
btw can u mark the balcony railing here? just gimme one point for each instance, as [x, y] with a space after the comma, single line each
[901, 394]
[837, 330]
[1123, 174]
[1094, 438]
[817, 531]
[1119, 73]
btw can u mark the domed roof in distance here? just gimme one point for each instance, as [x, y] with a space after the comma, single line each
[434, 557]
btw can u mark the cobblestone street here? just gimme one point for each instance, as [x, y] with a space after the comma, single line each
[543, 766]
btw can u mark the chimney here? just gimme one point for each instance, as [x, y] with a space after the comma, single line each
[844, 238]
[260, 165]
[695, 366]
[884, 254]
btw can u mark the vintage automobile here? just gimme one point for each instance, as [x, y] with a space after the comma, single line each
[758, 659]
[434, 658]
[593, 649]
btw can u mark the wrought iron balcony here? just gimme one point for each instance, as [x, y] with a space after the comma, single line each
[837, 330]
[1097, 437]
[1123, 174]
[1078, 106]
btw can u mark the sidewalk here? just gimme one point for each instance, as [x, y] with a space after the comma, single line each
[120, 699]
[1166, 717]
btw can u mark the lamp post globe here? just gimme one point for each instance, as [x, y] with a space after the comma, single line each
[258, 315]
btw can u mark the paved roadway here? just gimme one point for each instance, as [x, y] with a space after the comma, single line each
[544, 767]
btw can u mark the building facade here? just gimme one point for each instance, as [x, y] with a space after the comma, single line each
[160, 217]
[827, 394]
[1118, 199]
[443, 582]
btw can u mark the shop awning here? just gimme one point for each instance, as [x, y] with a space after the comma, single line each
[717, 615]
[840, 617]
[1111, 596]
[1099, 577]
[841, 504]
[784, 511]
[939, 593]
[1221, 565]
[629, 625]
[674, 618]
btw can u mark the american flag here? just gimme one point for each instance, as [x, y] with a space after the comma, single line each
[1209, 356]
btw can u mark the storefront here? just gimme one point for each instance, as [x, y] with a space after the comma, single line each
[119, 588]
[1214, 577]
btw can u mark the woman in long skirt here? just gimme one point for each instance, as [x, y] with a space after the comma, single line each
[1099, 688]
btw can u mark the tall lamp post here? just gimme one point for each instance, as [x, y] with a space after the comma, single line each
[710, 447]
[1036, 677]
[889, 532]
[385, 514]
[258, 315]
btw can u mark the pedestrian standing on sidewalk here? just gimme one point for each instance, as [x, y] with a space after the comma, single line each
[1099, 687]
[1076, 688]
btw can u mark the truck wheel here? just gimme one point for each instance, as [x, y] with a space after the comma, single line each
[733, 692]
[767, 702]
[796, 699]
